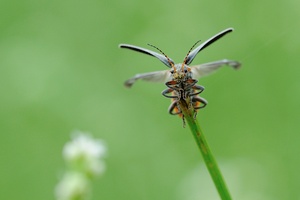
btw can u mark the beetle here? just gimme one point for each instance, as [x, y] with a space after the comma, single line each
[181, 79]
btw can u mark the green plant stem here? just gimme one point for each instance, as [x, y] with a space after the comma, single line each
[210, 162]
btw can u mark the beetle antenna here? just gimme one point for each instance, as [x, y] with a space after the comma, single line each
[170, 62]
[184, 61]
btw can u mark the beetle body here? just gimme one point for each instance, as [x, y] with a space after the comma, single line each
[181, 79]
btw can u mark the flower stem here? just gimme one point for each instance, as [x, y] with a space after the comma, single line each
[208, 157]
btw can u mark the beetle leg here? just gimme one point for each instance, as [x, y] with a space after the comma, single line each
[191, 83]
[172, 85]
[189, 87]
[198, 88]
[202, 101]
[183, 121]
[167, 91]
[172, 107]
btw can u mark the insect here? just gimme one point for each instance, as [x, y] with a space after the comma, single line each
[180, 79]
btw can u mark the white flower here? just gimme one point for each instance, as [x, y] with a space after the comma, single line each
[83, 155]
[73, 185]
[85, 152]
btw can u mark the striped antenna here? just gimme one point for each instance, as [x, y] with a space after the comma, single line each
[184, 61]
[170, 62]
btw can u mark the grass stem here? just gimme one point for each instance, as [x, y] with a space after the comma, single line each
[208, 157]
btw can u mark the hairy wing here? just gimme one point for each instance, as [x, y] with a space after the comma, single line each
[208, 68]
[157, 76]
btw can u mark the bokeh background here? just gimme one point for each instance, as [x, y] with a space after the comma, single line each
[61, 70]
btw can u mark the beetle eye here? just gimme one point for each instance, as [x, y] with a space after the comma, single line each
[172, 71]
[185, 71]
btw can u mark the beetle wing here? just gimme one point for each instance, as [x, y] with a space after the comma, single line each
[208, 42]
[199, 71]
[167, 61]
[157, 76]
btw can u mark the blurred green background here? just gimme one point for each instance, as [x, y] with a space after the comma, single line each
[61, 70]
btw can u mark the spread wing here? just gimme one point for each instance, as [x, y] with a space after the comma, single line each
[208, 42]
[164, 59]
[157, 76]
[199, 71]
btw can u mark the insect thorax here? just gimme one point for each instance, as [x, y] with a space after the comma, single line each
[182, 81]
[181, 73]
